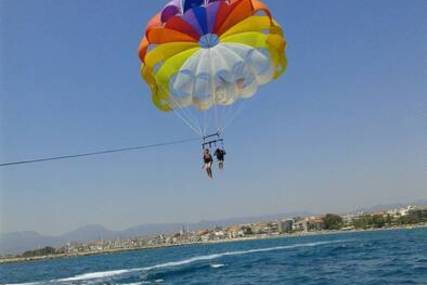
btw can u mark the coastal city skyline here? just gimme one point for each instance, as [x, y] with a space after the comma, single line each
[402, 217]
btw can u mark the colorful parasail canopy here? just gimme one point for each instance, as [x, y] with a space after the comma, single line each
[208, 54]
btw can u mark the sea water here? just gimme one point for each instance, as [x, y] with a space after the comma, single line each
[369, 258]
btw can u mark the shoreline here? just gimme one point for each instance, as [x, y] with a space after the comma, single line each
[251, 238]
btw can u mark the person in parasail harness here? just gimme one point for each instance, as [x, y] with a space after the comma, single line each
[220, 153]
[207, 160]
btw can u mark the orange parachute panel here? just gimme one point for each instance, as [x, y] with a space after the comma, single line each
[143, 47]
[159, 35]
[239, 11]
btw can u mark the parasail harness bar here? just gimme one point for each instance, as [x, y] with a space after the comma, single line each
[212, 140]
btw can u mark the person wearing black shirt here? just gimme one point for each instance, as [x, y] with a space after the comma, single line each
[220, 153]
[207, 160]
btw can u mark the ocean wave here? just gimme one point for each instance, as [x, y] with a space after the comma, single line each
[233, 253]
[95, 275]
[115, 273]
[143, 282]
[215, 266]
[31, 283]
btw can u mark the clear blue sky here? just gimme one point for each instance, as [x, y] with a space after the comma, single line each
[345, 128]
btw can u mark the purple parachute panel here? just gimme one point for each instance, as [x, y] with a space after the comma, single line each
[184, 8]
[173, 8]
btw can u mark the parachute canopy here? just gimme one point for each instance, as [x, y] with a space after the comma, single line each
[203, 54]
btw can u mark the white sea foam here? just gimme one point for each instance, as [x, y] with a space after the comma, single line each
[108, 274]
[32, 283]
[217, 265]
[229, 253]
[95, 275]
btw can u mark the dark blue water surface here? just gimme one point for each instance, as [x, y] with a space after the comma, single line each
[370, 258]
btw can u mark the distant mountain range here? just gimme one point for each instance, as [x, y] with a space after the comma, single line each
[16, 243]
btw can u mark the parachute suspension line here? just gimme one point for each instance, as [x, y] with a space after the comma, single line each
[201, 127]
[193, 119]
[198, 132]
[197, 122]
[220, 113]
[186, 121]
[213, 92]
[218, 118]
[238, 110]
[205, 122]
[212, 139]
[184, 118]
[226, 112]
